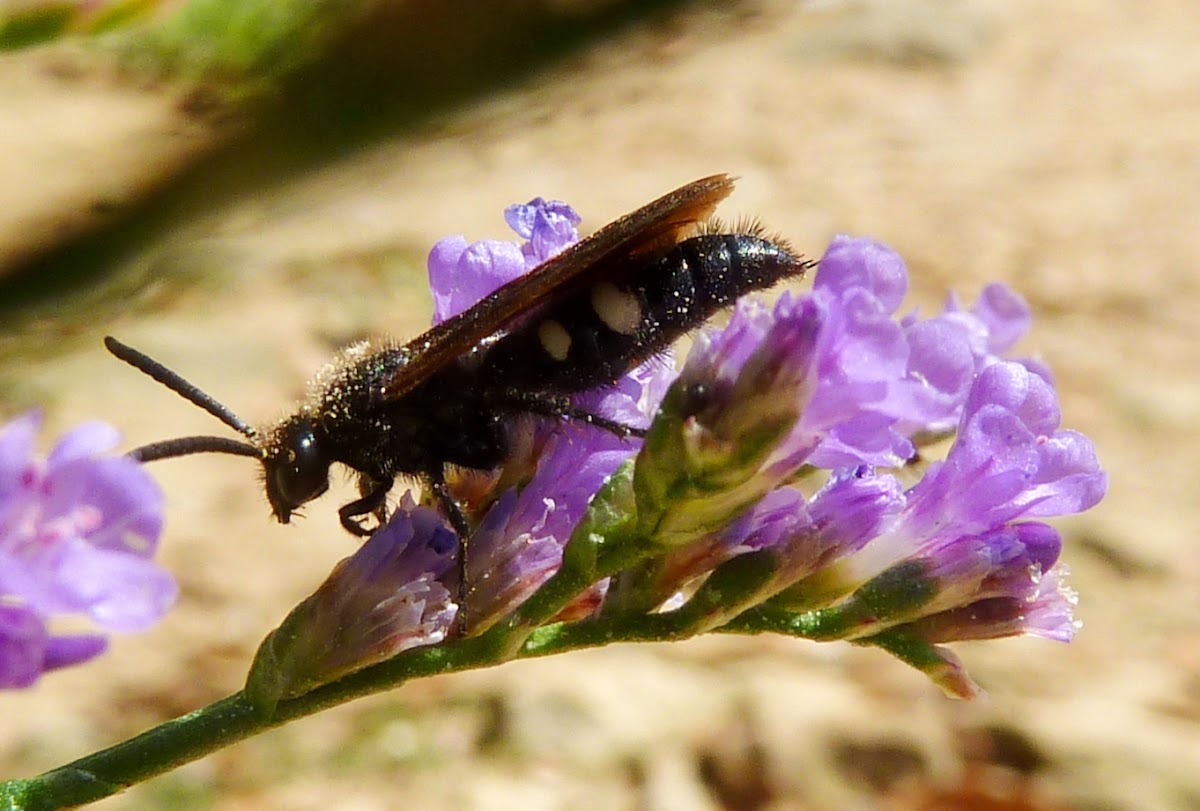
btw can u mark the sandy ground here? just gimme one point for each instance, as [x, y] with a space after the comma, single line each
[1055, 147]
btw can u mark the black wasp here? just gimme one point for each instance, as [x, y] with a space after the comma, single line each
[578, 321]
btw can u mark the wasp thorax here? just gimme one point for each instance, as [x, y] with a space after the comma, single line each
[297, 466]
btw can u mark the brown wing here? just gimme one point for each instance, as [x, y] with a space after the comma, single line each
[651, 226]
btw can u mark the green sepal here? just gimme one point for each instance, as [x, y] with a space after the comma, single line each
[692, 479]
[942, 667]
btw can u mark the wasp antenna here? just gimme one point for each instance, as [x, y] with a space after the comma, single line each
[187, 445]
[149, 366]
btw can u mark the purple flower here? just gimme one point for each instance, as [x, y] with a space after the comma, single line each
[807, 535]
[395, 593]
[460, 274]
[860, 381]
[996, 321]
[827, 380]
[864, 381]
[953, 557]
[519, 543]
[963, 530]
[933, 371]
[1009, 460]
[547, 226]
[78, 532]
[713, 450]
[1046, 610]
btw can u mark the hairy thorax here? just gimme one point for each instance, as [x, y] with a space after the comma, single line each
[444, 419]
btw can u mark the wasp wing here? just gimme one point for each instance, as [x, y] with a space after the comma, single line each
[654, 225]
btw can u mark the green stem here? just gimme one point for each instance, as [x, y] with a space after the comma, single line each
[764, 619]
[237, 717]
[222, 723]
[153, 752]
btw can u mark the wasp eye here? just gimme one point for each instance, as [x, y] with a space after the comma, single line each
[299, 472]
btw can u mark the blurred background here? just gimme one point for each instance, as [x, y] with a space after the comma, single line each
[240, 188]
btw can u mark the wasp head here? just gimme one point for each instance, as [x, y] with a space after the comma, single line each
[295, 465]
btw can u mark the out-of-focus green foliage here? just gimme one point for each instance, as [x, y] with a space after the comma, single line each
[194, 39]
[260, 40]
[35, 22]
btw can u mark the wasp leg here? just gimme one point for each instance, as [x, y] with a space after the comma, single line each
[374, 500]
[453, 510]
[458, 519]
[561, 407]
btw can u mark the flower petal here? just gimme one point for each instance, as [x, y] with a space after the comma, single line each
[121, 592]
[83, 441]
[22, 646]
[16, 452]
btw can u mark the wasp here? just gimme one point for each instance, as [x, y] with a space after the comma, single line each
[578, 321]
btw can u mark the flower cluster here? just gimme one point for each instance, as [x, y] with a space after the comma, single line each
[78, 531]
[765, 495]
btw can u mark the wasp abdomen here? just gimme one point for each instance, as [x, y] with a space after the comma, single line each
[597, 334]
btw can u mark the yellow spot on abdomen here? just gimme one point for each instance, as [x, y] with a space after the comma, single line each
[555, 339]
[618, 309]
